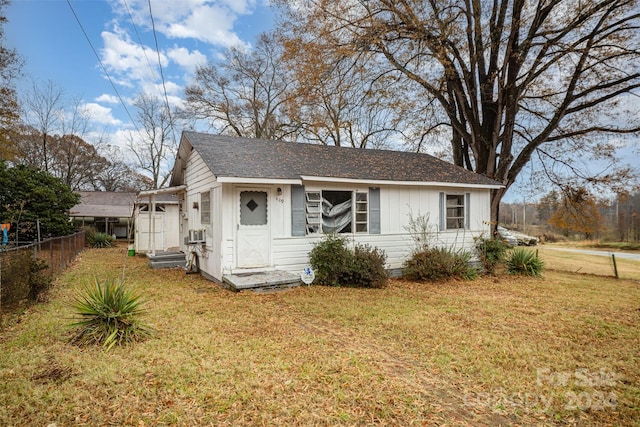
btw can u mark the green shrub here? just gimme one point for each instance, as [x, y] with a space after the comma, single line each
[366, 269]
[334, 264]
[491, 252]
[524, 262]
[329, 259]
[435, 264]
[109, 314]
[98, 239]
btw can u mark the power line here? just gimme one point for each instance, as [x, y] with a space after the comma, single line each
[135, 28]
[102, 65]
[164, 86]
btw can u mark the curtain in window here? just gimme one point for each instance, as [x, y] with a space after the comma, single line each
[335, 218]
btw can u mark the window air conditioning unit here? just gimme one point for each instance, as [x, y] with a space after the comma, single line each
[196, 236]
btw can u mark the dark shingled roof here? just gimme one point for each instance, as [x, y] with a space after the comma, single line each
[104, 204]
[237, 157]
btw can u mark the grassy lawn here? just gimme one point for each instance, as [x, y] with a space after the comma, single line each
[574, 262]
[506, 350]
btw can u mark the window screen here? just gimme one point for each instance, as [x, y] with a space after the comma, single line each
[205, 207]
[455, 211]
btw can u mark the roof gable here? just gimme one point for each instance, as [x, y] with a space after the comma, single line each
[235, 157]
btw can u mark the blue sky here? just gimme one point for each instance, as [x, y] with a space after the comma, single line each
[50, 39]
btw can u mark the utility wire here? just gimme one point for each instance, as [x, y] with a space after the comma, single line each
[135, 28]
[102, 65]
[164, 86]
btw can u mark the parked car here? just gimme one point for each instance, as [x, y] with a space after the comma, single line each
[507, 237]
[524, 239]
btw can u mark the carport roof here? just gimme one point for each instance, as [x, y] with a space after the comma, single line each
[104, 204]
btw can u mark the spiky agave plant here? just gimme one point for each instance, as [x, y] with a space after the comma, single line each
[525, 262]
[99, 240]
[109, 314]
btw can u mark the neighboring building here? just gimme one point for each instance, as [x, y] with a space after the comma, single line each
[249, 205]
[106, 211]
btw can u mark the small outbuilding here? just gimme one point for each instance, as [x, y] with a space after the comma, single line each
[252, 205]
[157, 222]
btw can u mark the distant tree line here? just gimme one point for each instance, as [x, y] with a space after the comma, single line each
[578, 213]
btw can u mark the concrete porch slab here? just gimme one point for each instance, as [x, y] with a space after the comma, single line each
[261, 280]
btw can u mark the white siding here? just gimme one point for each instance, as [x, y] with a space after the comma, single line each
[198, 179]
[397, 203]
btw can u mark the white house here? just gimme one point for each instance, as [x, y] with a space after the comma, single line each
[251, 205]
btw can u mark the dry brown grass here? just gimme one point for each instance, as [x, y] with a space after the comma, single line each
[598, 265]
[489, 352]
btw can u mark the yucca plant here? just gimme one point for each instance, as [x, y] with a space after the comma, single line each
[524, 262]
[109, 314]
[99, 240]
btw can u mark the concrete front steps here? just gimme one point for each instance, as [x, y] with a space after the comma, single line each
[167, 260]
[261, 281]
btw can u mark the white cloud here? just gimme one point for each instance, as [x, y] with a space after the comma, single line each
[122, 56]
[203, 20]
[101, 115]
[187, 60]
[210, 24]
[107, 99]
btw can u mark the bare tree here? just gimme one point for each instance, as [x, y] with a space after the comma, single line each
[117, 175]
[44, 105]
[76, 162]
[338, 99]
[245, 95]
[515, 79]
[72, 159]
[153, 145]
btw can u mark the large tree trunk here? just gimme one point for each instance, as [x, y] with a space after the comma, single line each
[496, 198]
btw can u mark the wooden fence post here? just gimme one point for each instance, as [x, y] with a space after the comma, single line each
[615, 266]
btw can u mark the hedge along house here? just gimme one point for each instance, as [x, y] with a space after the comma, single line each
[251, 205]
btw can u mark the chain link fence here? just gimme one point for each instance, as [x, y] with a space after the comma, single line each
[22, 266]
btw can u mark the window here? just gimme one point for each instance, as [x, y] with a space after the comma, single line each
[313, 211]
[253, 208]
[362, 211]
[145, 208]
[336, 212]
[455, 211]
[205, 207]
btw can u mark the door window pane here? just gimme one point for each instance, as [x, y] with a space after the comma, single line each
[253, 208]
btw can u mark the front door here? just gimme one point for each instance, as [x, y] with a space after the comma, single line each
[253, 237]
